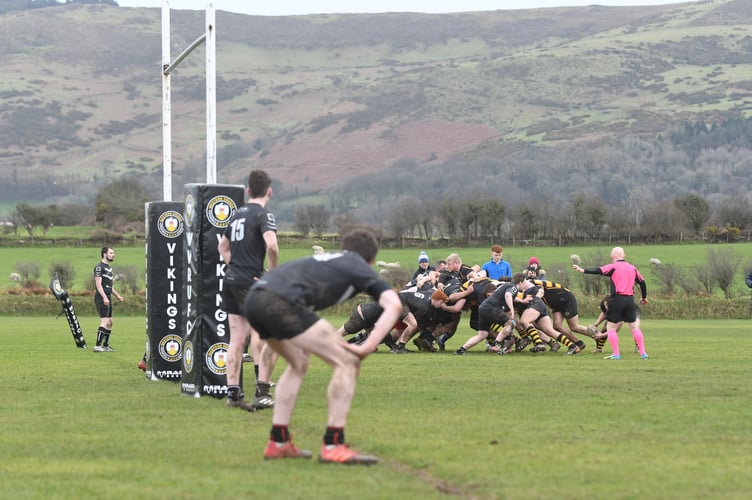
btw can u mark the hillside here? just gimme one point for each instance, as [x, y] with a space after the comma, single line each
[327, 102]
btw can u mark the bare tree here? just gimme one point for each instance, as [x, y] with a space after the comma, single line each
[696, 210]
[303, 221]
[28, 272]
[320, 217]
[669, 276]
[724, 263]
[592, 284]
[449, 216]
[121, 201]
[706, 277]
[312, 218]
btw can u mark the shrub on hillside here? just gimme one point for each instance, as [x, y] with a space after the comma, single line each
[592, 284]
[127, 278]
[106, 236]
[724, 264]
[65, 272]
[29, 273]
[671, 277]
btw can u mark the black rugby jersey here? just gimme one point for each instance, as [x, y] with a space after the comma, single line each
[245, 230]
[104, 271]
[323, 280]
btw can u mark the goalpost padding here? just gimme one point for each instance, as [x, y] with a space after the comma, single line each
[165, 226]
[208, 208]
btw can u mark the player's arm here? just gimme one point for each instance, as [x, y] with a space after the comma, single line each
[509, 300]
[455, 307]
[272, 249]
[643, 289]
[117, 295]
[591, 270]
[463, 292]
[224, 249]
[100, 290]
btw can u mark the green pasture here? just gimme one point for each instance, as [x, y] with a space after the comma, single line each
[682, 255]
[78, 424]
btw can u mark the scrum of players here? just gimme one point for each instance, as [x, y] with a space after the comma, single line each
[509, 312]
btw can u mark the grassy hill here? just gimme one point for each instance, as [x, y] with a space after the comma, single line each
[326, 99]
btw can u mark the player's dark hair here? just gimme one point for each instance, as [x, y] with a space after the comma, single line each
[518, 278]
[361, 240]
[258, 182]
[103, 252]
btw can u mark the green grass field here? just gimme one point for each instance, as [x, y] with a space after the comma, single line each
[82, 425]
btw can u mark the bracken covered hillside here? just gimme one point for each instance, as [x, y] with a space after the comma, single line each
[529, 103]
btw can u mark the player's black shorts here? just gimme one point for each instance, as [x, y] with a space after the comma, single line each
[474, 318]
[103, 310]
[370, 314]
[233, 298]
[491, 318]
[274, 317]
[622, 308]
[539, 306]
[565, 304]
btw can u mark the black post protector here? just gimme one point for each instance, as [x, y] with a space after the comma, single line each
[70, 314]
[208, 208]
[165, 225]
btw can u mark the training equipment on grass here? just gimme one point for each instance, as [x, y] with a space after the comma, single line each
[70, 314]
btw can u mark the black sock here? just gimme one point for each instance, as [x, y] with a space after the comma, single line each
[262, 389]
[106, 337]
[234, 392]
[100, 335]
[256, 370]
[279, 434]
[334, 435]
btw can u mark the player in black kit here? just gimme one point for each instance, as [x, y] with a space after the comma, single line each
[103, 299]
[282, 307]
[250, 236]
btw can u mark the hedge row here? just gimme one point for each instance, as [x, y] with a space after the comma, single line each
[658, 308]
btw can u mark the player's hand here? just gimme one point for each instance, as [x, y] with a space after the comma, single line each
[643, 301]
[361, 351]
[106, 301]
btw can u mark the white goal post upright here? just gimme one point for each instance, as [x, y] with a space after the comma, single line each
[166, 106]
[211, 96]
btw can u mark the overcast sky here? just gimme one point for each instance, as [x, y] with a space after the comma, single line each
[301, 7]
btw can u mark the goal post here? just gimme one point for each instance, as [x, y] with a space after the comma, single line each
[187, 333]
[168, 66]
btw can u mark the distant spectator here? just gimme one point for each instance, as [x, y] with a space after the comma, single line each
[424, 265]
[497, 268]
[534, 269]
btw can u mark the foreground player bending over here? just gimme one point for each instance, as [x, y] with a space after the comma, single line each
[281, 305]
